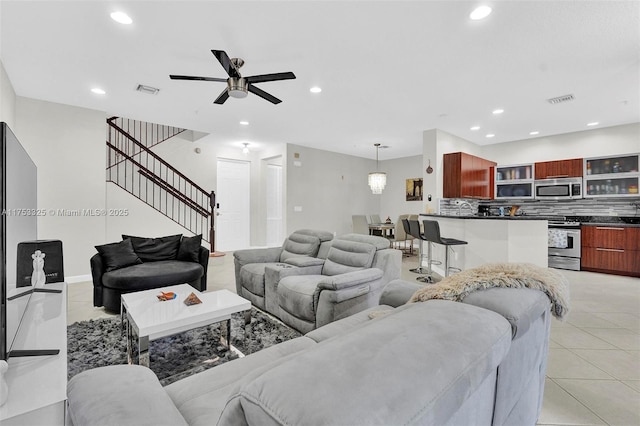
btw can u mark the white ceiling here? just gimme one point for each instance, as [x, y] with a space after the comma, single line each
[388, 69]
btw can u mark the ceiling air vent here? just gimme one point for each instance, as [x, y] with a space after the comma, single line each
[559, 99]
[147, 89]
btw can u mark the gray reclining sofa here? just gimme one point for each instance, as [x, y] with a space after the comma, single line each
[479, 362]
[307, 292]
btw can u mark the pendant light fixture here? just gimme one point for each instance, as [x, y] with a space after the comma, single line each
[377, 180]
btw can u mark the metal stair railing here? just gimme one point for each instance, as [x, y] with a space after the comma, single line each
[138, 170]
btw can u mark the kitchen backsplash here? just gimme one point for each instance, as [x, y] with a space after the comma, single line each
[584, 207]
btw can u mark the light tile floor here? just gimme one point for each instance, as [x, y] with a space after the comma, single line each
[593, 372]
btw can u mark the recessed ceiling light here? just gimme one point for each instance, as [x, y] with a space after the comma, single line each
[593, 123]
[121, 18]
[534, 133]
[98, 91]
[244, 123]
[490, 135]
[315, 89]
[480, 12]
[498, 111]
[474, 128]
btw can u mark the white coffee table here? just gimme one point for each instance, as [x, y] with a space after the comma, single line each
[150, 319]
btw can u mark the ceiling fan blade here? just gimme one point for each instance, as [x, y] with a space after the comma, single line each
[222, 98]
[253, 89]
[190, 77]
[270, 77]
[225, 61]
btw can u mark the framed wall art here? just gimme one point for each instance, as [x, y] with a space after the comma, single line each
[414, 189]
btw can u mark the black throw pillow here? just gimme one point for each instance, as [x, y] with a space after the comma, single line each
[155, 249]
[118, 255]
[189, 249]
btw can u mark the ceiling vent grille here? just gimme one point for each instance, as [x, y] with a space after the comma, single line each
[559, 99]
[147, 89]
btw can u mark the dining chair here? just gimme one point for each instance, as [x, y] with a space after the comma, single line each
[399, 234]
[360, 225]
[374, 218]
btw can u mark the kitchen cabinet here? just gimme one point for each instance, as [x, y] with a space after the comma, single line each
[514, 181]
[611, 249]
[612, 176]
[467, 176]
[559, 169]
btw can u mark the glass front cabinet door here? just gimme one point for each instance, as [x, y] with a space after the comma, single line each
[514, 181]
[614, 176]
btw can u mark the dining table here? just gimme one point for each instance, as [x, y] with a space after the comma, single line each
[385, 228]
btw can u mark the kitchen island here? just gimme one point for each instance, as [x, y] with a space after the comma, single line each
[491, 239]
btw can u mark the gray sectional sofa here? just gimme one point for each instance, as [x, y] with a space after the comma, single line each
[314, 279]
[435, 363]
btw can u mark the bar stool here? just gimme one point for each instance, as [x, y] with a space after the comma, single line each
[407, 231]
[414, 231]
[432, 234]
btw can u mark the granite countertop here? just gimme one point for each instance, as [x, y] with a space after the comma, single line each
[584, 220]
[506, 217]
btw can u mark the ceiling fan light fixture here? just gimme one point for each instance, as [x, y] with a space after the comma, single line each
[237, 87]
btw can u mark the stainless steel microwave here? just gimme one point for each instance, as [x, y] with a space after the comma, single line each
[558, 189]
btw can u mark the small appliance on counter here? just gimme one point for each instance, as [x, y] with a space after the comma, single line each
[484, 210]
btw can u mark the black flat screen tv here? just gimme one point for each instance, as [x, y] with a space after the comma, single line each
[19, 203]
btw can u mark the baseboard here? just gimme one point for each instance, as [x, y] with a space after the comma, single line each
[78, 279]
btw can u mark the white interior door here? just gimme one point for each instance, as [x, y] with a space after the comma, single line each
[233, 223]
[274, 205]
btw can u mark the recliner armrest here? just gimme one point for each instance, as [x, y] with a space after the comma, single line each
[349, 279]
[302, 261]
[261, 255]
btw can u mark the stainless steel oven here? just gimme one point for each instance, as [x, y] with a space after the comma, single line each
[564, 245]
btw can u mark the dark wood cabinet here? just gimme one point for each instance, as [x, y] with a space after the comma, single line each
[611, 249]
[559, 169]
[467, 176]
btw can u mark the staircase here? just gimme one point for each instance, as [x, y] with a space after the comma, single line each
[134, 167]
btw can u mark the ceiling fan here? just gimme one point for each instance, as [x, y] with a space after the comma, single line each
[238, 86]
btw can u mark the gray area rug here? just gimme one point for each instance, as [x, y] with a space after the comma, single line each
[102, 342]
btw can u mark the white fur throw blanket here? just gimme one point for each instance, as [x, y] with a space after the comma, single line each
[507, 275]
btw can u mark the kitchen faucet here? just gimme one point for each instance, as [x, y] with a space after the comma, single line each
[461, 204]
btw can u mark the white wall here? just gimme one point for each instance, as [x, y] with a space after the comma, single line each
[141, 220]
[393, 201]
[604, 141]
[202, 169]
[7, 99]
[329, 187]
[68, 146]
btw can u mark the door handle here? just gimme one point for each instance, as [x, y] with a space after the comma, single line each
[609, 228]
[606, 249]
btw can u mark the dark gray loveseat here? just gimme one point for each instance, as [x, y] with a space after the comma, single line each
[138, 263]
